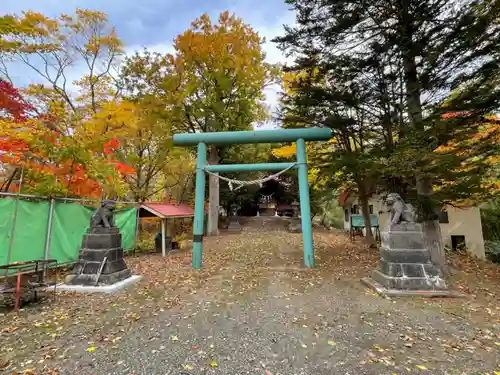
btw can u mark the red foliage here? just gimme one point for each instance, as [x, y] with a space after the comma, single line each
[111, 146]
[16, 151]
[12, 103]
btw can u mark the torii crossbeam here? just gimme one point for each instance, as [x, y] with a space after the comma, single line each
[299, 136]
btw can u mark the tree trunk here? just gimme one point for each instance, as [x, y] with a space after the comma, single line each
[431, 227]
[363, 199]
[213, 195]
[432, 230]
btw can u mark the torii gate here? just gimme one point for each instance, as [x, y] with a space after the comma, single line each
[299, 136]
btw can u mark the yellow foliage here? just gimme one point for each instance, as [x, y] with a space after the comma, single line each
[291, 78]
[116, 118]
[28, 33]
[220, 69]
[316, 181]
[285, 152]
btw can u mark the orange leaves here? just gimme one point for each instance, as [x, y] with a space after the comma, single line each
[111, 146]
[489, 129]
[454, 115]
[13, 146]
[72, 147]
[123, 168]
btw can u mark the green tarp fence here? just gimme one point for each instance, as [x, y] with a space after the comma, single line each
[69, 222]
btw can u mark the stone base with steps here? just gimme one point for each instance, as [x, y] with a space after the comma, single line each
[405, 263]
[383, 291]
[99, 244]
[266, 223]
[234, 225]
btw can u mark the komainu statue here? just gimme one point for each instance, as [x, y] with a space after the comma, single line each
[399, 210]
[103, 216]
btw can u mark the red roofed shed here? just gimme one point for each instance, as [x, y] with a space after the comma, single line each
[165, 211]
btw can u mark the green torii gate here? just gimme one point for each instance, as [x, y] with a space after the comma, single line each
[299, 136]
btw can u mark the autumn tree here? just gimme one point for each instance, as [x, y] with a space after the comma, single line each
[52, 47]
[51, 162]
[213, 81]
[71, 124]
[438, 46]
[160, 169]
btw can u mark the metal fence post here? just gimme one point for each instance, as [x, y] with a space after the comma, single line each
[137, 232]
[49, 234]
[14, 219]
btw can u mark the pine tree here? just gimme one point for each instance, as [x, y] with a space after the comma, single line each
[437, 47]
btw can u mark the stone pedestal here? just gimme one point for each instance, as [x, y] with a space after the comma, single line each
[98, 244]
[234, 225]
[405, 264]
[295, 226]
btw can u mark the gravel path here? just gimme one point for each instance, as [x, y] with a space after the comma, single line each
[292, 323]
[330, 329]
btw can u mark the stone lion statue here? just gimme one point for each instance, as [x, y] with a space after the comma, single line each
[103, 216]
[399, 210]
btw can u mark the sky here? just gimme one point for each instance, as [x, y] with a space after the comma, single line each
[155, 23]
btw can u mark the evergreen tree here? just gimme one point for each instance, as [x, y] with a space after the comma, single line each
[426, 50]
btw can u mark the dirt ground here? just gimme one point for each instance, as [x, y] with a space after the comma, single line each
[254, 310]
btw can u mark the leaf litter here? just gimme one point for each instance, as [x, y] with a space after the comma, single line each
[43, 333]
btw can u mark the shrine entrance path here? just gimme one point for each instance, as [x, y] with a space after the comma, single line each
[254, 310]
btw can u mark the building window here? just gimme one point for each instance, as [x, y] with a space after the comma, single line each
[355, 209]
[458, 243]
[370, 209]
[346, 215]
[443, 217]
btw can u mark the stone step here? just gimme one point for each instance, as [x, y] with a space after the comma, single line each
[407, 269]
[92, 267]
[267, 223]
[104, 279]
[98, 255]
[405, 255]
[102, 240]
[403, 240]
[409, 283]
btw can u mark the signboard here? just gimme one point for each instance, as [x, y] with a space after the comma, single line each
[357, 221]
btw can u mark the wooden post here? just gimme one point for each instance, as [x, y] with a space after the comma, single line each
[18, 291]
[163, 245]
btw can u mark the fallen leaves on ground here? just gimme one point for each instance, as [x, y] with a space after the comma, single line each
[240, 263]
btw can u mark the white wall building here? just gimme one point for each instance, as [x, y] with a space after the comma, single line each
[458, 225]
